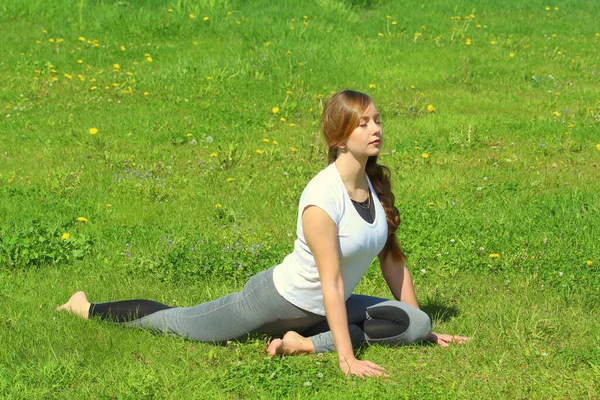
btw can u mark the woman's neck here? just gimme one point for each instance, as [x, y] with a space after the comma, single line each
[352, 172]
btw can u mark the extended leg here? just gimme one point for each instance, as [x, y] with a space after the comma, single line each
[123, 311]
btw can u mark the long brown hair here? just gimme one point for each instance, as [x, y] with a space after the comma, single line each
[341, 116]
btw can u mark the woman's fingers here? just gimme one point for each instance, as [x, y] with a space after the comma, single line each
[460, 339]
[443, 339]
[364, 368]
[375, 366]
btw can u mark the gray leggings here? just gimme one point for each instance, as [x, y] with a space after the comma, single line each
[260, 309]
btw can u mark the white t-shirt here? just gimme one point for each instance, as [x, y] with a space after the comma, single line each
[297, 277]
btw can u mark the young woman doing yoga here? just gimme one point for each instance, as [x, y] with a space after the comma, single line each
[346, 218]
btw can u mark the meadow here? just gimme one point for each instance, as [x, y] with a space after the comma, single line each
[158, 150]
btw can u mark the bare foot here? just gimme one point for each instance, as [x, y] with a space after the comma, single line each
[78, 304]
[292, 343]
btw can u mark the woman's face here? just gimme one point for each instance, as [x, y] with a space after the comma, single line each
[366, 140]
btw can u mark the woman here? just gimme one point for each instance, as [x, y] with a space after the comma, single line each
[346, 217]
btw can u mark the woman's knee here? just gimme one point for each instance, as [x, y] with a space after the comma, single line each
[396, 323]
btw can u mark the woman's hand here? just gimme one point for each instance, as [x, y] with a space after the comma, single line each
[361, 368]
[444, 340]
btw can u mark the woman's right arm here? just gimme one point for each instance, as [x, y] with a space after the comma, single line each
[321, 236]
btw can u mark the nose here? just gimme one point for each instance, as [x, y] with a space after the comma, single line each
[377, 130]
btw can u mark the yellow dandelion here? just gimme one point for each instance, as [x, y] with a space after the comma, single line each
[430, 108]
[267, 44]
[214, 155]
[556, 114]
[425, 155]
[275, 142]
[230, 179]
[468, 42]
[116, 66]
[589, 263]
[275, 110]
[123, 48]
[81, 39]
[82, 219]
[65, 236]
[288, 53]
[209, 78]
[259, 151]
[189, 135]
[93, 131]
[598, 146]
[494, 255]
[293, 149]
[371, 86]
[512, 54]
[108, 205]
[547, 8]
[192, 16]
[265, 140]
[571, 125]
[493, 42]
[556, 8]
[380, 34]
[79, 61]
[218, 205]
[205, 19]
[195, 43]
[68, 76]
[394, 23]
[412, 86]
[568, 133]
[291, 124]
[388, 16]
[45, 32]
[170, 10]
[282, 119]
[430, 204]
[81, 77]
[149, 59]
[93, 87]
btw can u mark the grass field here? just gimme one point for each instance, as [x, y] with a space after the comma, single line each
[158, 150]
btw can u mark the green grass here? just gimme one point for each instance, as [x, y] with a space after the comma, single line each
[502, 176]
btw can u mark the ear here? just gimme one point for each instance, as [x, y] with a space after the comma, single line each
[342, 146]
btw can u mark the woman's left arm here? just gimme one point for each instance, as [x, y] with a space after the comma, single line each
[401, 285]
[398, 280]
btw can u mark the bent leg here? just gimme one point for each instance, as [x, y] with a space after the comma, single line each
[396, 324]
[376, 320]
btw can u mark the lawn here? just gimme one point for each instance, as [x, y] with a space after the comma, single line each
[158, 150]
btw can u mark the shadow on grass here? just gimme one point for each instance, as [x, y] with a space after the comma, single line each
[439, 312]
